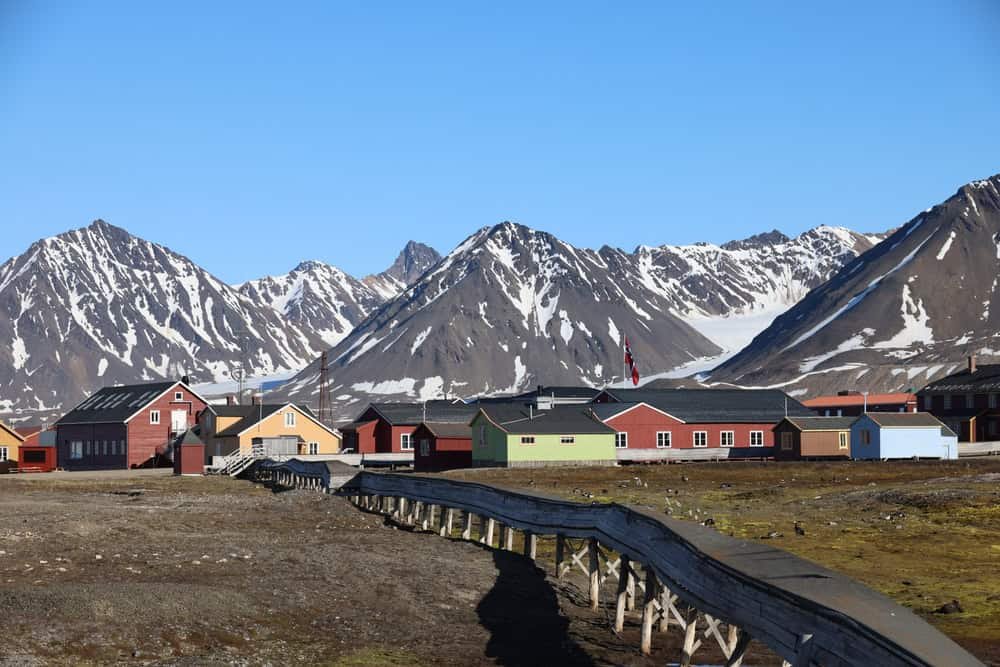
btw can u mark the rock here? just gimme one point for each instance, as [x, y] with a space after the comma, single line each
[770, 536]
[799, 530]
[953, 607]
[725, 485]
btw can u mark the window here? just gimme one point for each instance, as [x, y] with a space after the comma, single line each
[787, 441]
[567, 440]
[527, 439]
[3, 453]
[86, 448]
[992, 427]
[482, 435]
[700, 438]
[621, 440]
[826, 413]
[178, 396]
[314, 448]
[843, 439]
[970, 401]
[756, 438]
[947, 401]
[289, 419]
[663, 439]
[425, 447]
[993, 400]
[154, 416]
[866, 437]
[76, 449]
[405, 439]
[726, 439]
[104, 447]
[840, 412]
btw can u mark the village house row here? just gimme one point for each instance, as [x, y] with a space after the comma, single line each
[150, 425]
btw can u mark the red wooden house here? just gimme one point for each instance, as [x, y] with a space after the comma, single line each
[388, 427]
[687, 424]
[442, 446]
[126, 427]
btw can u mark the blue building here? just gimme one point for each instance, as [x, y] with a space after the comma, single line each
[902, 435]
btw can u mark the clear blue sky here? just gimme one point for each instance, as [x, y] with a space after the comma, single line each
[250, 137]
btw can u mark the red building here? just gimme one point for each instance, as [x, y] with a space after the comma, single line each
[189, 454]
[442, 446]
[388, 427]
[126, 427]
[853, 403]
[682, 424]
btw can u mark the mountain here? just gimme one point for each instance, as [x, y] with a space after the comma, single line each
[412, 262]
[905, 312]
[317, 298]
[97, 305]
[512, 307]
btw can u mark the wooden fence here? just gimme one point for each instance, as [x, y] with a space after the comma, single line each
[680, 574]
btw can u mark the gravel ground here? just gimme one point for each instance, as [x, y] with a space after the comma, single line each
[153, 569]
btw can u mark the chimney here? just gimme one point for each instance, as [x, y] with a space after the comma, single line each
[230, 399]
[255, 399]
[972, 363]
[185, 379]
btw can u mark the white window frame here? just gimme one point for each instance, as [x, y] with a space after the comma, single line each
[760, 435]
[722, 438]
[178, 396]
[406, 442]
[843, 440]
[154, 416]
[3, 454]
[704, 439]
[621, 440]
[313, 448]
[527, 439]
[662, 436]
[290, 419]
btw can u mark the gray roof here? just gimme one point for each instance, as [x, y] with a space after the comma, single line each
[257, 413]
[986, 378]
[905, 419]
[821, 423]
[231, 410]
[605, 411]
[415, 413]
[189, 438]
[447, 429]
[560, 420]
[705, 406]
[115, 404]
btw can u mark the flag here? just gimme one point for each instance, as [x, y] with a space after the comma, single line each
[630, 363]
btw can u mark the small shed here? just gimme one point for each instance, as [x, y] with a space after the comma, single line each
[902, 435]
[189, 454]
[40, 456]
[813, 438]
[442, 446]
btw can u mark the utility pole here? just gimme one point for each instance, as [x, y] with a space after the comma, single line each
[324, 391]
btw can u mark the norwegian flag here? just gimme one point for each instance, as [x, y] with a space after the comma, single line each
[630, 362]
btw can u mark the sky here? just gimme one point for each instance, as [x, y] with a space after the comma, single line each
[250, 137]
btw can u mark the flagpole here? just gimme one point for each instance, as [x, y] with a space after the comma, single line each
[624, 364]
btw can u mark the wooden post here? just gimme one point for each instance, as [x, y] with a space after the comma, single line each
[508, 539]
[737, 648]
[467, 531]
[594, 566]
[530, 544]
[560, 554]
[624, 577]
[687, 653]
[648, 611]
[665, 601]
[491, 525]
[429, 517]
[447, 521]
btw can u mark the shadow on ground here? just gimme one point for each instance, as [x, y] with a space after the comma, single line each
[522, 614]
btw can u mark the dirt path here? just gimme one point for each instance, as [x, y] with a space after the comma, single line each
[150, 569]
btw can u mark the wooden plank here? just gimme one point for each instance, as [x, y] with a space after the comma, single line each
[621, 601]
[594, 565]
[648, 613]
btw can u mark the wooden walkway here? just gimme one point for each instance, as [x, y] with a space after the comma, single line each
[680, 574]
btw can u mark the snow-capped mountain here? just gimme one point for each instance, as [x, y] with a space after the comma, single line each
[317, 298]
[511, 307]
[97, 305]
[412, 262]
[904, 313]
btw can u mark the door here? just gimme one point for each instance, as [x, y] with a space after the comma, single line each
[178, 421]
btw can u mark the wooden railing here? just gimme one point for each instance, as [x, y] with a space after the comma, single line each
[712, 587]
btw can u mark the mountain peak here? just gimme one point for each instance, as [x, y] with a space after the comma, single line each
[773, 237]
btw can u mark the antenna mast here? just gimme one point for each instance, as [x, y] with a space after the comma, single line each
[324, 391]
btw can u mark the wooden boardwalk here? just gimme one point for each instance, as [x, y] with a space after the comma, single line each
[681, 574]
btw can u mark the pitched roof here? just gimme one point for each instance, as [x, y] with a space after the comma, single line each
[118, 404]
[821, 423]
[12, 431]
[448, 429]
[904, 419]
[716, 405]
[257, 413]
[562, 391]
[560, 420]
[986, 378]
[858, 399]
[28, 431]
[189, 438]
[415, 413]
[231, 410]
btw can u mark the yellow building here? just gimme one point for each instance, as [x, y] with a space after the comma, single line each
[10, 444]
[226, 428]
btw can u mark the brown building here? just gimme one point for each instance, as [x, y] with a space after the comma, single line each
[442, 446]
[813, 438]
[131, 426]
[968, 401]
[388, 427]
[855, 403]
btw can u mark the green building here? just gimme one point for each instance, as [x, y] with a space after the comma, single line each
[513, 435]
